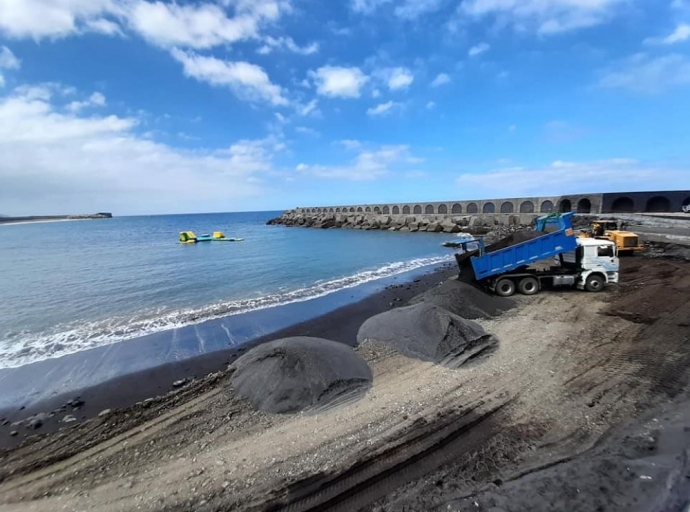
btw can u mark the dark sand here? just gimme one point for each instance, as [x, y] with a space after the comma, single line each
[465, 300]
[430, 333]
[339, 325]
[299, 374]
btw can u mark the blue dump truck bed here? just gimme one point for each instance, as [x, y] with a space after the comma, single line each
[557, 238]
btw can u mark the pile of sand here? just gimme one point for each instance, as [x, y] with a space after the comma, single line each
[430, 333]
[297, 374]
[514, 238]
[465, 300]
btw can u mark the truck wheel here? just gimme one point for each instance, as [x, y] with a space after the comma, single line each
[505, 288]
[528, 286]
[595, 283]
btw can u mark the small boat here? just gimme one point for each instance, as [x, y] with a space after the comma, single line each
[188, 237]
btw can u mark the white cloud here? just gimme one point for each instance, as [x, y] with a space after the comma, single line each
[248, 81]
[375, 93]
[8, 59]
[339, 82]
[287, 43]
[412, 9]
[103, 26]
[478, 49]
[96, 163]
[441, 79]
[431, 105]
[383, 109]
[396, 78]
[306, 130]
[567, 177]
[646, 74]
[367, 6]
[95, 100]
[199, 26]
[368, 165]
[679, 35]
[350, 144]
[543, 16]
[39, 19]
[309, 108]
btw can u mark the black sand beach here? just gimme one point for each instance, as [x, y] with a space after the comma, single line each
[125, 390]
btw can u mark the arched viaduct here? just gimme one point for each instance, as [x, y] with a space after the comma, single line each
[619, 202]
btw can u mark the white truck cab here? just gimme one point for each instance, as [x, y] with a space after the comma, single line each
[596, 258]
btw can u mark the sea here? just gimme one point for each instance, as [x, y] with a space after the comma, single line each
[73, 286]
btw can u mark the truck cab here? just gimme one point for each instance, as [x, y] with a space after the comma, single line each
[594, 257]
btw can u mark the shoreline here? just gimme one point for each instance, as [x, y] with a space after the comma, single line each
[119, 391]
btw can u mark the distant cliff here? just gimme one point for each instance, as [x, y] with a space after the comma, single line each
[39, 218]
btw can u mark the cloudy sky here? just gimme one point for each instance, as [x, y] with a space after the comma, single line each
[143, 106]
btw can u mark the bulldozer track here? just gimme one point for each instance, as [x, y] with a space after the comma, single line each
[425, 448]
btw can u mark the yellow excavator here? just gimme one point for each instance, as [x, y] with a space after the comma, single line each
[607, 229]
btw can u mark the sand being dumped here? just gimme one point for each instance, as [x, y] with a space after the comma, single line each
[298, 374]
[465, 300]
[430, 333]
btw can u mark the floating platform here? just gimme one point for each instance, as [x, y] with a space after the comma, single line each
[188, 237]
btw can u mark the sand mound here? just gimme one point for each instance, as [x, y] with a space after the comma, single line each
[297, 374]
[465, 300]
[430, 333]
[514, 238]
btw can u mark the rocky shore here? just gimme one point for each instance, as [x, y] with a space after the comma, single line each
[406, 223]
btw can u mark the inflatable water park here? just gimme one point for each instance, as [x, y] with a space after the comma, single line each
[188, 237]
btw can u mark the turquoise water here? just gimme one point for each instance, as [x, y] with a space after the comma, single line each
[72, 286]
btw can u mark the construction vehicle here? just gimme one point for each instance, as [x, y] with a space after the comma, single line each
[608, 229]
[509, 265]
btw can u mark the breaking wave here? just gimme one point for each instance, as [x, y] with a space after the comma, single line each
[22, 348]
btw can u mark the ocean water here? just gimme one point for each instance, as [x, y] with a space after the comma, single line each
[71, 286]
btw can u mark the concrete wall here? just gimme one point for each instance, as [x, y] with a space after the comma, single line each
[581, 203]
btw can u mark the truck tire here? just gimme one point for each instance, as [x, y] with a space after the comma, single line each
[528, 286]
[595, 283]
[505, 287]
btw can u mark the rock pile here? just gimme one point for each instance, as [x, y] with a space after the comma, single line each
[407, 223]
[297, 374]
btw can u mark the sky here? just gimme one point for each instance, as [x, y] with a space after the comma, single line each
[152, 107]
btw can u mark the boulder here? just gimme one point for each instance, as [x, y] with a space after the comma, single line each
[430, 333]
[434, 228]
[297, 374]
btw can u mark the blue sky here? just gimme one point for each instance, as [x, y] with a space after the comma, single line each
[142, 106]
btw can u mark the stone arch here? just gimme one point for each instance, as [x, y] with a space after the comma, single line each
[457, 208]
[686, 202]
[565, 206]
[584, 205]
[377, 210]
[472, 208]
[658, 204]
[442, 209]
[489, 208]
[396, 210]
[507, 207]
[330, 210]
[623, 205]
[429, 209]
[337, 210]
[406, 210]
[417, 209]
[352, 209]
[386, 210]
[546, 207]
[527, 207]
[359, 210]
[368, 209]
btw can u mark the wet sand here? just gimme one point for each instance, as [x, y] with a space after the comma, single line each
[125, 390]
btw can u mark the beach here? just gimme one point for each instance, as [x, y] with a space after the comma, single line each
[581, 390]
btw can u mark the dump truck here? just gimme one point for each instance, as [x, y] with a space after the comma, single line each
[566, 260]
[608, 229]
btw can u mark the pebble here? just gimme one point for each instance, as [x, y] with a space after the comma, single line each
[14, 433]
[179, 383]
[68, 418]
[104, 412]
